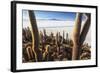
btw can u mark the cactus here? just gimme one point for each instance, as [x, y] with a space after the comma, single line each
[85, 28]
[76, 35]
[35, 36]
[79, 37]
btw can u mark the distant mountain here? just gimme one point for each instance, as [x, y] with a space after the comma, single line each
[56, 19]
[52, 19]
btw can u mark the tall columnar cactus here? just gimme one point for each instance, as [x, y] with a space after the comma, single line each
[79, 37]
[85, 28]
[67, 40]
[76, 36]
[63, 36]
[35, 36]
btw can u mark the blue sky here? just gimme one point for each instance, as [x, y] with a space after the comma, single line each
[50, 15]
[55, 15]
[65, 17]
